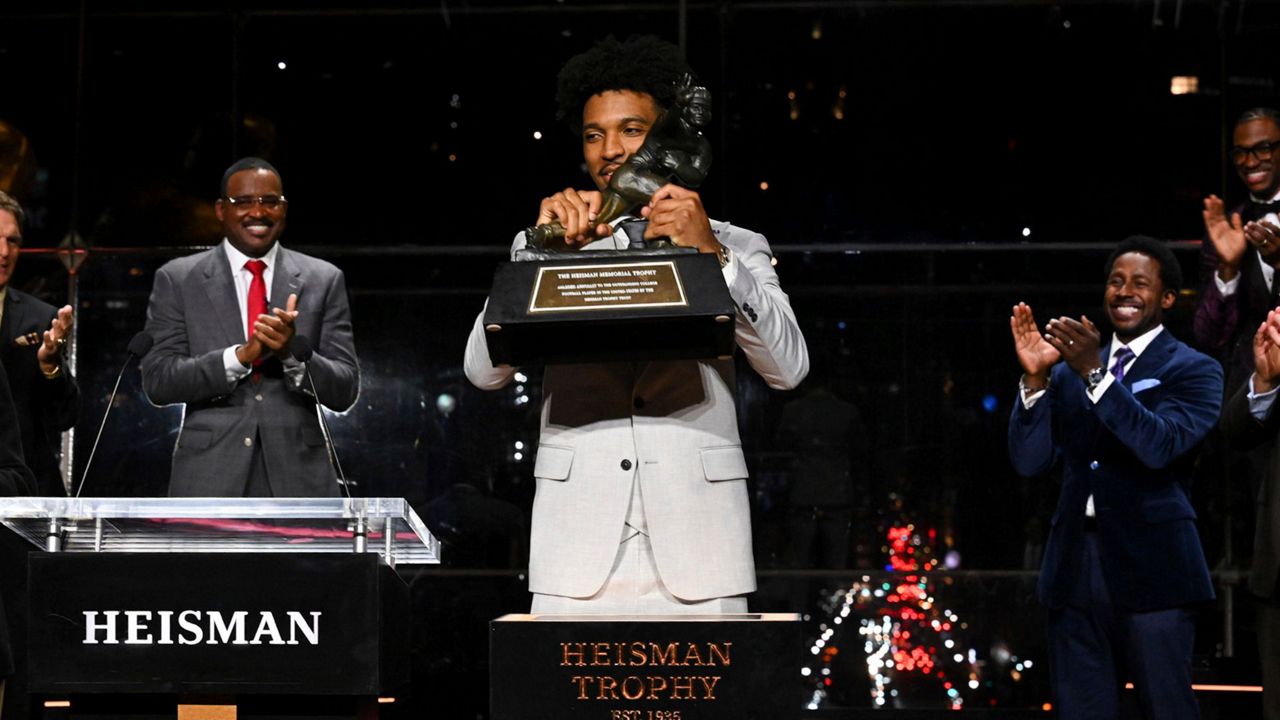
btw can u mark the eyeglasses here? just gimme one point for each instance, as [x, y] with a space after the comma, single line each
[1259, 152]
[268, 202]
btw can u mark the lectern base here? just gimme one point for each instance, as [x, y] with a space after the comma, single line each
[141, 635]
[169, 707]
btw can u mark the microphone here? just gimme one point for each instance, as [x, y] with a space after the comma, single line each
[140, 344]
[138, 347]
[300, 348]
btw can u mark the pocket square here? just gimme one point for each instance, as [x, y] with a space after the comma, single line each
[1145, 384]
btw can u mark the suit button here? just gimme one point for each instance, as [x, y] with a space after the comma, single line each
[248, 442]
[1093, 465]
[638, 402]
[258, 397]
[626, 464]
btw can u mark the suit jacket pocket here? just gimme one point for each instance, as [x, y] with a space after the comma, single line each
[195, 439]
[1145, 384]
[553, 462]
[724, 463]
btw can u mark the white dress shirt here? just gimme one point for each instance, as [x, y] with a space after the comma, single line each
[293, 369]
[1227, 289]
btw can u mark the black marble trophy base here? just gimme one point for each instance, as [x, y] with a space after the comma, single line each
[591, 307]
[636, 667]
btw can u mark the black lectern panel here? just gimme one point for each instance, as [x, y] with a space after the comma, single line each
[222, 623]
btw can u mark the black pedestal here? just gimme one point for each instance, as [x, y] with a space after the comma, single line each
[592, 307]
[613, 667]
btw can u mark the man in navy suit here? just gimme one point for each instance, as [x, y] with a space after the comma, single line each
[1123, 565]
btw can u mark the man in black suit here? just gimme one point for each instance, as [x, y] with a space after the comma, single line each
[32, 335]
[15, 479]
[1251, 424]
[1239, 286]
[44, 403]
[1241, 256]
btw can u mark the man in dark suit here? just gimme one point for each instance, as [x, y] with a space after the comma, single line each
[32, 334]
[1123, 565]
[1250, 424]
[1238, 281]
[45, 402]
[15, 479]
[224, 323]
[1240, 256]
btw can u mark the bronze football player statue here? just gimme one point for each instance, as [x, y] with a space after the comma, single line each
[674, 151]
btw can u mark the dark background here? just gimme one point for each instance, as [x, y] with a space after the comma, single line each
[928, 164]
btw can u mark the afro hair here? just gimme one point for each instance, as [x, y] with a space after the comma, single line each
[643, 64]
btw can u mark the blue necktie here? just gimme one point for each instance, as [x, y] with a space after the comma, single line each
[1123, 356]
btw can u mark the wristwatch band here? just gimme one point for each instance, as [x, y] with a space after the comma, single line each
[724, 255]
[1095, 377]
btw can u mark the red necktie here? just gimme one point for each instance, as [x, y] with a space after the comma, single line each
[257, 304]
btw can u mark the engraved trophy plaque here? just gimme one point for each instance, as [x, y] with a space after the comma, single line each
[653, 301]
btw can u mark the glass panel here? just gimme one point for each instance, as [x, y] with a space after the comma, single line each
[232, 525]
[917, 170]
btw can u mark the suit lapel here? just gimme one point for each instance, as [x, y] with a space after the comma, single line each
[1151, 359]
[8, 328]
[220, 288]
[1262, 297]
[6, 319]
[286, 279]
[1148, 363]
[14, 319]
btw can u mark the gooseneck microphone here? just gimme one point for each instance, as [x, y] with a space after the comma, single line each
[300, 348]
[138, 347]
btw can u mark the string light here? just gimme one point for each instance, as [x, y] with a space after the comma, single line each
[902, 630]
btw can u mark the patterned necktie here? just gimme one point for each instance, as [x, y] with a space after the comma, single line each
[257, 304]
[1123, 356]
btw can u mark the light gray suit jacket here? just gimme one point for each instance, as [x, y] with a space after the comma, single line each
[670, 424]
[194, 316]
